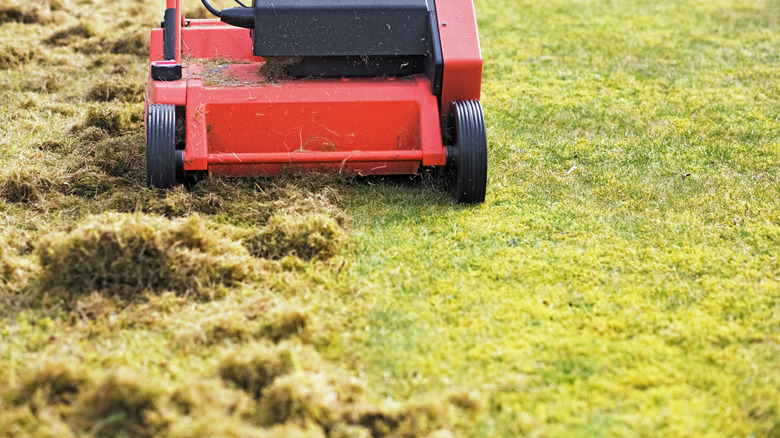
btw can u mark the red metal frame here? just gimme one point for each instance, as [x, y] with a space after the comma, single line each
[246, 124]
[460, 48]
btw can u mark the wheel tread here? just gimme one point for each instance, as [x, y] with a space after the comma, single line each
[161, 146]
[469, 182]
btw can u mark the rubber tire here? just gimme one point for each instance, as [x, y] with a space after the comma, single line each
[468, 166]
[161, 162]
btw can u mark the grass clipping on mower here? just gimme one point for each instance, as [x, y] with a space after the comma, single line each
[126, 254]
[275, 67]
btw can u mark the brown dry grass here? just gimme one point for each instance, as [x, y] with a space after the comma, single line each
[125, 255]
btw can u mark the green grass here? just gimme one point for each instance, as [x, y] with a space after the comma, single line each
[598, 291]
[621, 278]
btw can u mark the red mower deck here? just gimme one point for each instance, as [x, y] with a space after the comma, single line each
[238, 117]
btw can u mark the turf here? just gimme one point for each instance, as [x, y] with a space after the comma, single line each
[620, 279]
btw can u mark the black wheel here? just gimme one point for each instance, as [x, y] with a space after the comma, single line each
[163, 161]
[467, 157]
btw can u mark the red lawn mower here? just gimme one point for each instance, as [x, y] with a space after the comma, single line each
[368, 87]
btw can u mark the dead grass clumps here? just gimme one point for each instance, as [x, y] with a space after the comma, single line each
[70, 35]
[206, 408]
[93, 165]
[117, 88]
[245, 203]
[54, 382]
[224, 327]
[285, 321]
[8, 264]
[254, 368]
[306, 236]
[14, 276]
[12, 56]
[27, 185]
[133, 43]
[95, 306]
[17, 11]
[10, 14]
[302, 397]
[344, 404]
[115, 120]
[48, 82]
[122, 405]
[59, 399]
[294, 388]
[282, 390]
[122, 255]
[197, 13]
[92, 134]
[120, 157]
[36, 405]
[130, 43]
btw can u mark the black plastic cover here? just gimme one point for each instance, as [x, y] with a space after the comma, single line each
[356, 66]
[434, 61]
[169, 34]
[341, 27]
[166, 72]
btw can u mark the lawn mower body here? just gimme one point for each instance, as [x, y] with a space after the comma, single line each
[367, 88]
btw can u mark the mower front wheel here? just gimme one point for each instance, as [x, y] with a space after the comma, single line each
[164, 167]
[467, 158]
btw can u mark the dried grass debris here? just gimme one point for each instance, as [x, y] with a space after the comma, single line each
[206, 408]
[28, 185]
[57, 382]
[95, 306]
[18, 11]
[47, 82]
[9, 264]
[124, 404]
[120, 157]
[92, 134]
[304, 396]
[254, 368]
[130, 43]
[116, 88]
[295, 431]
[275, 67]
[133, 43]
[122, 255]
[12, 56]
[224, 327]
[306, 236]
[114, 119]
[70, 35]
[286, 320]
[11, 14]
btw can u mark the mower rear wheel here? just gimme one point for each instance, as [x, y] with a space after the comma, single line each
[163, 169]
[467, 158]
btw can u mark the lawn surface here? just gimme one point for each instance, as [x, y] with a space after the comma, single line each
[620, 279]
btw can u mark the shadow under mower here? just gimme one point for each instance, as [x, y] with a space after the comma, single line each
[366, 87]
